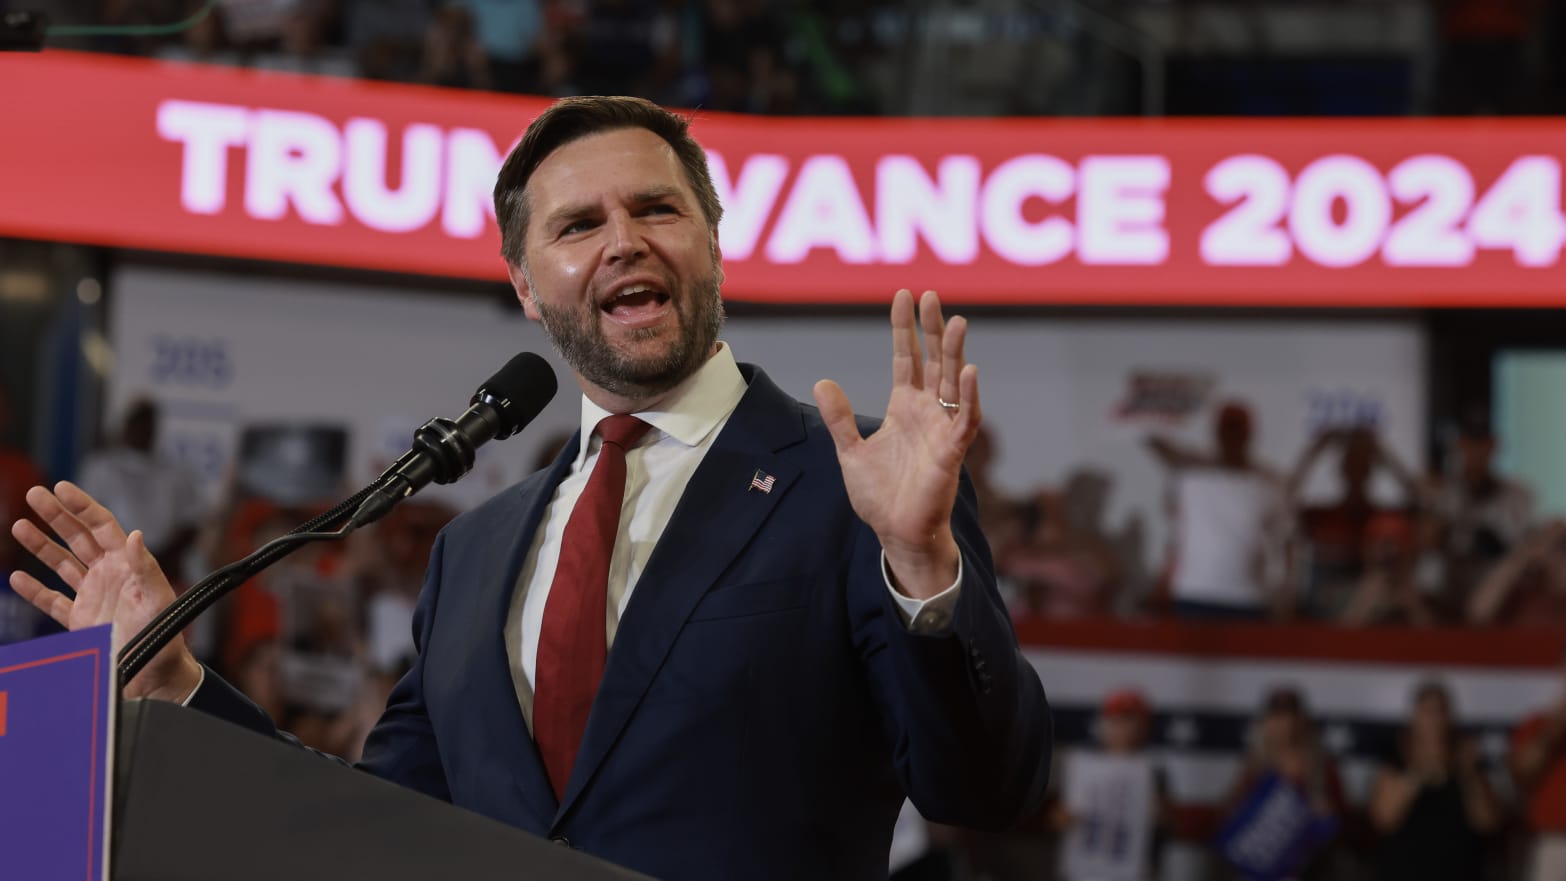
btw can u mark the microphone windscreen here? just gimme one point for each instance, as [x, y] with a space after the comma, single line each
[519, 391]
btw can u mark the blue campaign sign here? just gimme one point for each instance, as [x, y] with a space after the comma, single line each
[1274, 832]
[56, 703]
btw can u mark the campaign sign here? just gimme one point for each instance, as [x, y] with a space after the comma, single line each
[1274, 831]
[56, 708]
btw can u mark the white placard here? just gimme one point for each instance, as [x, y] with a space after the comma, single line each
[1110, 799]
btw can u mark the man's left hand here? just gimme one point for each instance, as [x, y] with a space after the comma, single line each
[902, 480]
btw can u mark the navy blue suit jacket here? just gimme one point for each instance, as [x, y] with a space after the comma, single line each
[763, 709]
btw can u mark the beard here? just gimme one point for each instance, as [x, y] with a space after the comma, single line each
[579, 338]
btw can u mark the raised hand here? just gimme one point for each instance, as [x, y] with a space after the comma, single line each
[902, 480]
[114, 577]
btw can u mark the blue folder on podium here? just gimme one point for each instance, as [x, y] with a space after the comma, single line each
[195, 798]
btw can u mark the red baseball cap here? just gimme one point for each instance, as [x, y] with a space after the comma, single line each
[1126, 702]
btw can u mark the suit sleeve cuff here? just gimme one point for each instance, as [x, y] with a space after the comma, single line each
[931, 616]
[202, 681]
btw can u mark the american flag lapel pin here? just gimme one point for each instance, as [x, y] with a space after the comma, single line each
[762, 481]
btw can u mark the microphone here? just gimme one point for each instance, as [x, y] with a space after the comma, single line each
[444, 449]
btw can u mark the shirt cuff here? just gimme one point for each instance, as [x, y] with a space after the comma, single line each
[202, 681]
[931, 616]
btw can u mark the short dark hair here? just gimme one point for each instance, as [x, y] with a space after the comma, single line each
[571, 119]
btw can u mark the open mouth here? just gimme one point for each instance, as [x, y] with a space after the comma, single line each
[636, 305]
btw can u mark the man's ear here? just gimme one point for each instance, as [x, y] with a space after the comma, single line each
[524, 292]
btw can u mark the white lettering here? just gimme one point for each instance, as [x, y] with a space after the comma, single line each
[1441, 191]
[1000, 209]
[746, 202]
[294, 157]
[1249, 233]
[206, 131]
[411, 205]
[1120, 210]
[823, 211]
[1367, 211]
[1522, 211]
[908, 203]
[472, 165]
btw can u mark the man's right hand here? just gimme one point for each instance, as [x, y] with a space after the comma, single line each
[115, 579]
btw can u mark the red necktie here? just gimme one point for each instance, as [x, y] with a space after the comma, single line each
[571, 644]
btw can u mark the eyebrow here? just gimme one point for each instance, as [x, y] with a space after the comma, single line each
[642, 197]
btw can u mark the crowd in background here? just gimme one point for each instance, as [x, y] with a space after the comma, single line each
[941, 57]
[319, 638]
[1461, 545]
[762, 56]
[1436, 807]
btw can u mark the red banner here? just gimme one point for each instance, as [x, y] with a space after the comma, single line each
[1339, 212]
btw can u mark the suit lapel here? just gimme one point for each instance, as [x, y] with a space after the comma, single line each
[716, 517]
[499, 695]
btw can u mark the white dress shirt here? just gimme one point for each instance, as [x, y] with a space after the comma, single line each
[657, 470]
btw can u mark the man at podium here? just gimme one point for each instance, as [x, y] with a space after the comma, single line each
[725, 632]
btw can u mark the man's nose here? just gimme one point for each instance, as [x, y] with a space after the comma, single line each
[625, 238]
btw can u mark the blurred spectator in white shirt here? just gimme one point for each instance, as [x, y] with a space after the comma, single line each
[1229, 526]
[1486, 514]
[146, 489]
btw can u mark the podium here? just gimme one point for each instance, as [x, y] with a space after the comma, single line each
[196, 798]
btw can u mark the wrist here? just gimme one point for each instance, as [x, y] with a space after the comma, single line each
[176, 685]
[922, 571]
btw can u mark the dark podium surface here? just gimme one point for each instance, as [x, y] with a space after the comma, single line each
[199, 799]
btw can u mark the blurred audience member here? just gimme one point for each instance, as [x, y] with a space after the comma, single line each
[386, 564]
[207, 41]
[1393, 585]
[301, 49]
[1484, 59]
[1538, 765]
[18, 619]
[148, 490]
[1284, 747]
[259, 676]
[1487, 515]
[1001, 516]
[620, 47]
[386, 36]
[453, 55]
[1087, 492]
[1430, 804]
[254, 23]
[126, 14]
[1060, 571]
[1115, 813]
[1228, 528]
[1335, 534]
[1528, 587]
[743, 53]
[511, 31]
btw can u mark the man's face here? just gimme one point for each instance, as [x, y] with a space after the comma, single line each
[1232, 432]
[1124, 732]
[622, 268]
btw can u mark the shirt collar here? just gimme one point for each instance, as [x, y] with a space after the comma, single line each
[691, 412]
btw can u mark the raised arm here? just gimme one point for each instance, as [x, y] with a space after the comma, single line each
[113, 577]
